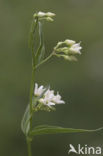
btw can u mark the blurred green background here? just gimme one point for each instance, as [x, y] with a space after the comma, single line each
[80, 84]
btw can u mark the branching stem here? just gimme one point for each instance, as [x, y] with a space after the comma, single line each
[45, 60]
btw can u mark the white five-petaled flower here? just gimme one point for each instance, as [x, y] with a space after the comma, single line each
[48, 98]
[38, 90]
[57, 99]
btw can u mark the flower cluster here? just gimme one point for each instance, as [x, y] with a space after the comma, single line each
[48, 98]
[44, 16]
[67, 49]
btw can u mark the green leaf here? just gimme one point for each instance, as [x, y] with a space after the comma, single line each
[32, 33]
[46, 129]
[41, 50]
[25, 123]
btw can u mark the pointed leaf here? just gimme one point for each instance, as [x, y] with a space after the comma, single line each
[46, 129]
[32, 33]
[25, 123]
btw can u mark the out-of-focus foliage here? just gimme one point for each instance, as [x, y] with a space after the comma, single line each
[80, 83]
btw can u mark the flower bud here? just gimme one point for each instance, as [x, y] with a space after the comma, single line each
[49, 19]
[70, 58]
[44, 16]
[41, 14]
[67, 49]
[69, 42]
[50, 14]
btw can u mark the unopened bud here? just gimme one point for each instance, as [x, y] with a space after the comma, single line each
[44, 16]
[41, 14]
[49, 19]
[67, 49]
[69, 42]
[50, 14]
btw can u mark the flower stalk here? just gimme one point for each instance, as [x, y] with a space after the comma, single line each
[45, 60]
[31, 95]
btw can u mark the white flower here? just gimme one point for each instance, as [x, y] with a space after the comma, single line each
[38, 90]
[57, 99]
[50, 99]
[46, 101]
[49, 94]
[75, 48]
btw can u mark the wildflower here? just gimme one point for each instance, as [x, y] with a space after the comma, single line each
[38, 90]
[57, 99]
[44, 16]
[75, 48]
[49, 98]
[67, 49]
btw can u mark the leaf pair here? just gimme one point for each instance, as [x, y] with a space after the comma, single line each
[47, 129]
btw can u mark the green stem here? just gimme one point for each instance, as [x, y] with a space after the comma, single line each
[46, 59]
[31, 94]
[29, 147]
[32, 35]
[31, 110]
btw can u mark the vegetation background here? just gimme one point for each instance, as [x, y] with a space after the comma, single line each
[80, 83]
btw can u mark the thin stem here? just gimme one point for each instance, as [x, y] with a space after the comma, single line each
[31, 94]
[33, 29]
[29, 147]
[46, 59]
[33, 69]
